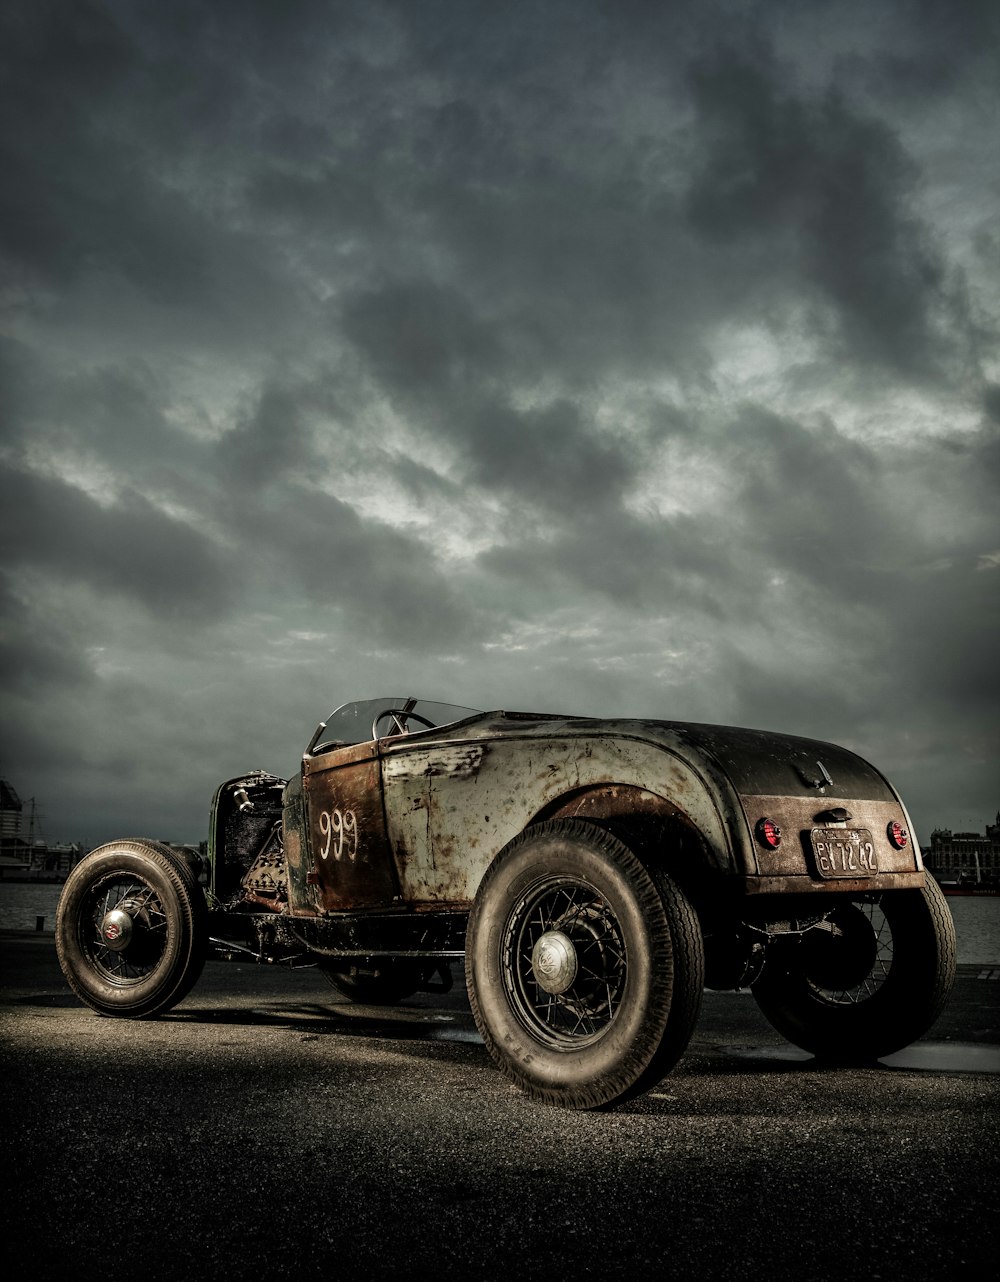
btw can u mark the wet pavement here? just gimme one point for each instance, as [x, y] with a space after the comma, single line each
[269, 1128]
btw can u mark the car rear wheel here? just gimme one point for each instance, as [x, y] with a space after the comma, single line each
[382, 981]
[131, 929]
[870, 980]
[584, 970]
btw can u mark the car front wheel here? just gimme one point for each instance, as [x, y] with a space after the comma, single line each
[867, 982]
[584, 969]
[131, 929]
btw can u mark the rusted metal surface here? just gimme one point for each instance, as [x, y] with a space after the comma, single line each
[400, 934]
[798, 815]
[814, 886]
[348, 848]
[766, 859]
[613, 801]
[412, 821]
[244, 821]
[450, 811]
[762, 762]
[452, 800]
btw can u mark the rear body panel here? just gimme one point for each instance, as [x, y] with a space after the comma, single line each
[800, 784]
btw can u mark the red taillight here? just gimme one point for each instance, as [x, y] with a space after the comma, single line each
[898, 834]
[768, 833]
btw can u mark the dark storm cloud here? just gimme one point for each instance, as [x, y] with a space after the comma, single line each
[37, 659]
[112, 417]
[99, 193]
[425, 342]
[272, 531]
[381, 585]
[817, 561]
[17, 367]
[827, 186]
[664, 565]
[814, 502]
[505, 344]
[877, 563]
[128, 547]
[957, 674]
[270, 441]
[448, 367]
[773, 201]
[938, 45]
[77, 195]
[551, 456]
[778, 516]
[420, 482]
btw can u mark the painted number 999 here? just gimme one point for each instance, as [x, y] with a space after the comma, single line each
[340, 828]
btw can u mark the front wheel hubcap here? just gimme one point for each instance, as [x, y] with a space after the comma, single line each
[116, 930]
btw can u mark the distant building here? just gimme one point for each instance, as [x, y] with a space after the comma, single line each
[11, 811]
[15, 852]
[28, 854]
[25, 855]
[965, 858]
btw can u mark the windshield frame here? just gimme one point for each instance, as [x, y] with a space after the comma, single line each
[351, 723]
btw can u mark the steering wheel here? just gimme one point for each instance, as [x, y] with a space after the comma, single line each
[399, 720]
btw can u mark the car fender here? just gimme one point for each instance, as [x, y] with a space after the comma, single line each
[451, 807]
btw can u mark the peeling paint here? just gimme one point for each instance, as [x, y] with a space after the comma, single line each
[451, 826]
[460, 762]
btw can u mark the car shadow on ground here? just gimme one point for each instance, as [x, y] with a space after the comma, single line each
[429, 1024]
[399, 1023]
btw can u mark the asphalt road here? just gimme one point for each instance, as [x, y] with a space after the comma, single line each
[268, 1129]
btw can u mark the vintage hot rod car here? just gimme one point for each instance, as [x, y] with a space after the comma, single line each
[595, 874]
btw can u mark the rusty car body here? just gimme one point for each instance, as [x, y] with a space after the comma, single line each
[594, 874]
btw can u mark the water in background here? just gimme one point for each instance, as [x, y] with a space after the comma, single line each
[977, 918]
[22, 902]
[977, 925]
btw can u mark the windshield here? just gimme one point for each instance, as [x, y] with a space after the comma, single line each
[352, 722]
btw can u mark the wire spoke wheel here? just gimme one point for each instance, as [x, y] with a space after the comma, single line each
[584, 968]
[868, 981]
[131, 928]
[564, 962]
[127, 929]
[852, 954]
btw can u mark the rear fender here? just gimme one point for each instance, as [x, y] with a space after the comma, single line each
[655, 828]
[450, 810]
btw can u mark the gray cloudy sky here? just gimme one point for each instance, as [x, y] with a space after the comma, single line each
[616, 358]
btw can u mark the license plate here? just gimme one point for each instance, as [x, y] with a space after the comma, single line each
[844, 852]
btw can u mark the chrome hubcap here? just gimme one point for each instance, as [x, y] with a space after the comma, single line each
[554, 962]
[116, 930]
[564, 964]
